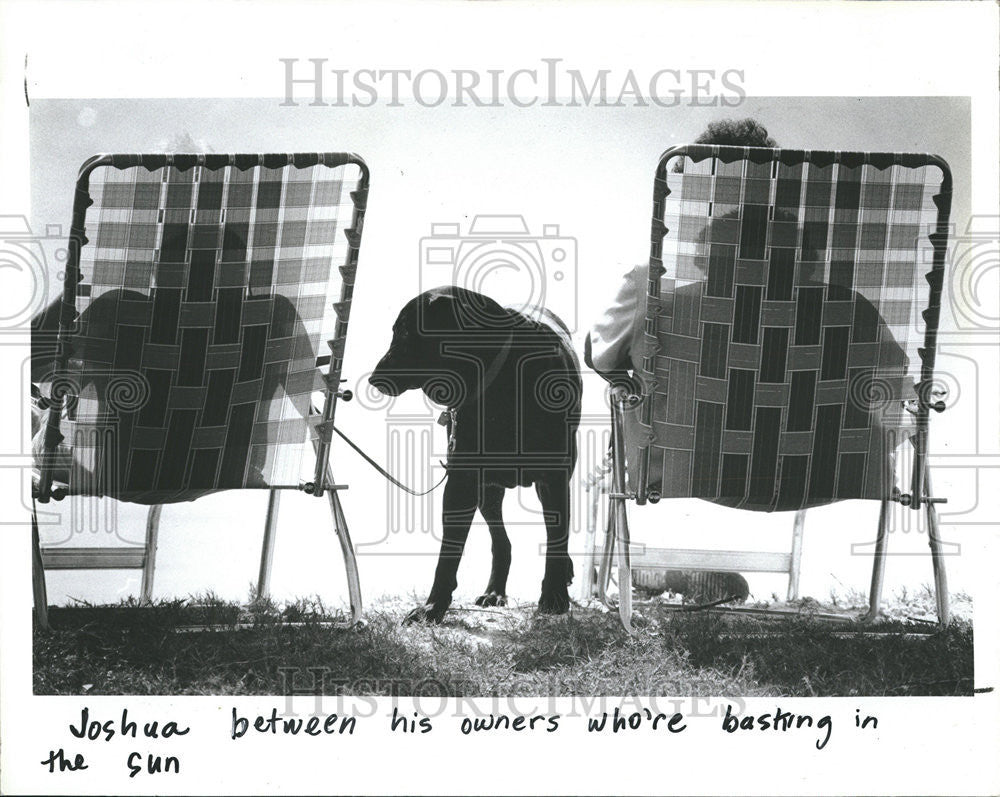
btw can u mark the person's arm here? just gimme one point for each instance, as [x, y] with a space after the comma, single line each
[44, 333]
[607, 349]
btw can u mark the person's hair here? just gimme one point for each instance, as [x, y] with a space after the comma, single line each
[736, 133]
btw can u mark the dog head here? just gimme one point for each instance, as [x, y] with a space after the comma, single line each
[427, 327]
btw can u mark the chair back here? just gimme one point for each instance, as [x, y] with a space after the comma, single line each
[791, 309]
[206, 298]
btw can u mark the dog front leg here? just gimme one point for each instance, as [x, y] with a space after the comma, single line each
[491, 508]
[554, 496]
[461, 497]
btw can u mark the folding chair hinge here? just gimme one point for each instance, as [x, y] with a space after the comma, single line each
[932, 395]
[324, 431]
[906, 499]
[913, 407]
[333, 385]
[57, 491]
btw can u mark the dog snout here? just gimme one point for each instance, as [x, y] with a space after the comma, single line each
[384, 378]
[383, 382]
[384, 385]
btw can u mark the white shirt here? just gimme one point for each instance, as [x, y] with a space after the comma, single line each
[611, 339]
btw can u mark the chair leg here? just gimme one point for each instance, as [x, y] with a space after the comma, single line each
[624, 566]
[604, 572]
[347, 548]
[878, 565]
[149, 562]
[937, 555]
[795, 562]
[267, 547]
[618, 509]
[38, 578]
[587, 585]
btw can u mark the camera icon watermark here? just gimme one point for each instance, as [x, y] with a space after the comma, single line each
[499, 257]
[973, 273]
[87, 455]
[24, 266]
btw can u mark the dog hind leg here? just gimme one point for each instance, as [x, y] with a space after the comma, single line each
[553, 493]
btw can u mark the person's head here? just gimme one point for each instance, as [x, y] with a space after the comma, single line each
[809, 260]
[732, 133]
[736, 133]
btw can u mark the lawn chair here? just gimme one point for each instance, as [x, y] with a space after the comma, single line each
[198, 290]
[793, 301]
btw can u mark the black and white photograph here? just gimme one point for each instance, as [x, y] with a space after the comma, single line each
[482, 382]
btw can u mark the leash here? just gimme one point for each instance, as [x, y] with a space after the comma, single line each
[383, 471]
[448, 419]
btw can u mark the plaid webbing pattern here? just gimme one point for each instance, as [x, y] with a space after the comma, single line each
[791, 308]
[207, 287]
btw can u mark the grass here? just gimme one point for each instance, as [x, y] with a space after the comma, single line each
[265, 648]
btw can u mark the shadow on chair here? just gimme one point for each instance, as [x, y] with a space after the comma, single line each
[181, 359]
[788, 346]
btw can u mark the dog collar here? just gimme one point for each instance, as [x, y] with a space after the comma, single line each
[449, 420]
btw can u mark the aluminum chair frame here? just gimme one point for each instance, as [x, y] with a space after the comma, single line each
[920, 497]
[322, 483]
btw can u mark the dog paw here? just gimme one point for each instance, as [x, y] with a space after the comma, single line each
[429, 613]
[554, 603]
[491, 599]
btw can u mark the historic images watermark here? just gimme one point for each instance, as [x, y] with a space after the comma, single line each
[432, 697]
[548, 83]
[28, 260]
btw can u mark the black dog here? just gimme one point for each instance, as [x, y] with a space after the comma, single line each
[512, 387]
